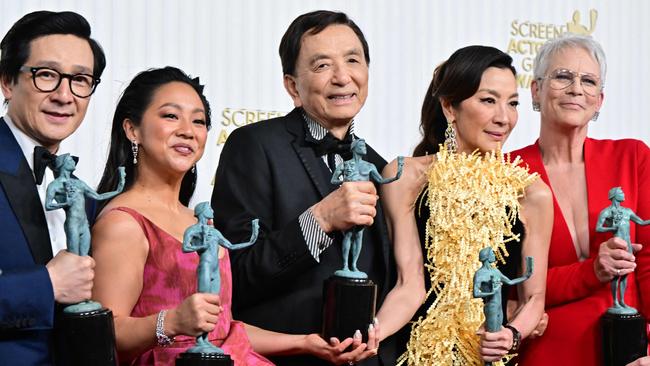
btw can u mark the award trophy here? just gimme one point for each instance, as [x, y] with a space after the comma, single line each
[88, 327]
[624, 329]
[349, 297]
[487, 285]
[205, 240]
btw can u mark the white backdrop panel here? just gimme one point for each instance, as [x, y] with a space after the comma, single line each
[233, 46]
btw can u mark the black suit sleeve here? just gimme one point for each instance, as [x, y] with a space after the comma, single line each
[244, 190]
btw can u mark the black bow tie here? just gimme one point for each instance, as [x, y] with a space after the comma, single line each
[331, 145]
[42, 159]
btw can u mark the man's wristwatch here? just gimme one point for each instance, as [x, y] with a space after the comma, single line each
[161, 337]
[516, 338]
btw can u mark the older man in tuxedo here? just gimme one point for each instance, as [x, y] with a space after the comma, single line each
[280, 171]
[49, 67]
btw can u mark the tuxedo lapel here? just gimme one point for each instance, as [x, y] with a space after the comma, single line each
[380, 222]
[314, 165]
[18, 184]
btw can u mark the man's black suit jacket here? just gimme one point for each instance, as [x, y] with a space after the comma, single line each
[268, 171]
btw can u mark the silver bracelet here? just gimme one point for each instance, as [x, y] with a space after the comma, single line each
[163, 339]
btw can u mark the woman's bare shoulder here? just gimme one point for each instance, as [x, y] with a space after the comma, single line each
[538, 192]
[117, 223]
[417, 164]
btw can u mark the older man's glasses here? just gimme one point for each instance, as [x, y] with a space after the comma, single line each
[562, 78]
[48, 80]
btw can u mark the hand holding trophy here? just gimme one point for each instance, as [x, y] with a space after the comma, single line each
[89, 329]
[624, 329]
[488, 281]
[204, 239]
[349, 296]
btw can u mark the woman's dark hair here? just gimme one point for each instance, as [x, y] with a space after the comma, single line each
[132, 105]
[455, 80]
[313, 23]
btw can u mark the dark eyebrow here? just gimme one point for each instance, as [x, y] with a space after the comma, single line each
[177, 106]
[496, 94]
[317, 57]
[321, 56]
[354, 52]
[76, 69]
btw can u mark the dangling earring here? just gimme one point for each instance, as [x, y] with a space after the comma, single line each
[134, 148]
[194, 169]
[450, 137]
[536, 106]
[595, 117]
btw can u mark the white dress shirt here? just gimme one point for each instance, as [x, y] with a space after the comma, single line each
[317, 240]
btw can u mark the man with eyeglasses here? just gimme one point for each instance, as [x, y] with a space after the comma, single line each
[49, 68]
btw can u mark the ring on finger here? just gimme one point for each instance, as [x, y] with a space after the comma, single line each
[350, 363]
[618, 272]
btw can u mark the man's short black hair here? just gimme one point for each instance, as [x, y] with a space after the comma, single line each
[313, 23]
[15, 46]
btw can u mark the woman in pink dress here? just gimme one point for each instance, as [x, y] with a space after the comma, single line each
[159, 133]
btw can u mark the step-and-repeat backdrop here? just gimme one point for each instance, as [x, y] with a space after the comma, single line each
[232, 45]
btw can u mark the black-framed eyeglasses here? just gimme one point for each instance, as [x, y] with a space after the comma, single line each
[562, 78]
[48, 80]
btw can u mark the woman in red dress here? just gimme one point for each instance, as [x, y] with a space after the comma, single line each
[568, 92]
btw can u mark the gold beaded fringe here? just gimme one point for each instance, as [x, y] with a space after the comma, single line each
[467, 196]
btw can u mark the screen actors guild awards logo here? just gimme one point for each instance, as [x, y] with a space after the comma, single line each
[527, 36]
[232, 118]
[575, 26]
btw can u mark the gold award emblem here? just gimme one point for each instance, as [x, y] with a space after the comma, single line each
[576, 27]
[527, 36]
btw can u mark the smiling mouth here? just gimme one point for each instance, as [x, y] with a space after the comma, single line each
[342, 98]
[571, 105]
[57, 114]
[496, 135]
[57, 117]
[183, 149]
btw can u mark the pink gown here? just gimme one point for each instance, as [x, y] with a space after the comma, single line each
[169, 277]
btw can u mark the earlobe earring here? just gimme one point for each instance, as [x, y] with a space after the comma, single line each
[134, 149]
[536, 107]
[450, 137]
[194, 169]
[595, 116]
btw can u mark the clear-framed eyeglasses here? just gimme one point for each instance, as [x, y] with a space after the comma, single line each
[48, 80]
[563, 78]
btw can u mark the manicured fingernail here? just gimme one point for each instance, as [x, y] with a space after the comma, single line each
[357, 334]
[375, 321]
[371, 328]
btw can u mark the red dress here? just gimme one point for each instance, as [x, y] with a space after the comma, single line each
[575, 299]
[169, 277]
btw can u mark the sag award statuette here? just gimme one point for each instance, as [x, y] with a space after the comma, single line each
[349, 297]
[205, 240]
[487, 285]
[88, 327]
[624, 329]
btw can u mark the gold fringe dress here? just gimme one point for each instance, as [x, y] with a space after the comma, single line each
[473, 202]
